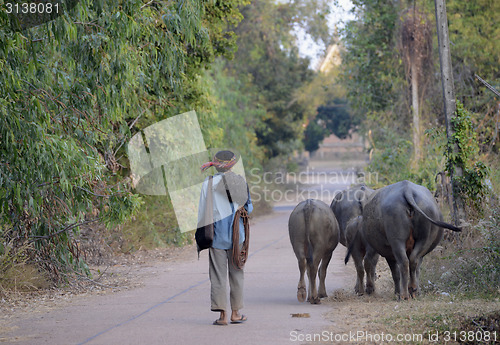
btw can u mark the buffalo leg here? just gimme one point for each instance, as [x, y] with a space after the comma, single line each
[404, 268]
[357, 256]
[312, 272]
[322, 274]
[370, 262]
[396, 276]
[414, 285]
[301, 288]
[417, 273]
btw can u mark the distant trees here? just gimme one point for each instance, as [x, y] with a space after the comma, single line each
[394, 89]
[269, 66]
[371, 69]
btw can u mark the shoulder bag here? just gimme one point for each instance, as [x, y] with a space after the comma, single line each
[205, 231]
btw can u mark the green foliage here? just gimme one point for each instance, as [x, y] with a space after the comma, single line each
[269, 67]
[310, 15]
[154, 226]
[373, 75]
[236, 115]
[336, 117]
[493, 164]
[474, 31]
[391, 158]
[314, 135]
[219, 18]
[325, 105]
[391, 161]
[371, 68]
[74, 90]
[471, 186]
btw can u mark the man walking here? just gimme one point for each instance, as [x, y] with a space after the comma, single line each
[231, 206]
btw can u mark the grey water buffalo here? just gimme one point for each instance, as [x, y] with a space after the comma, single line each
[402, 222]
[347, 206]
[314, 234]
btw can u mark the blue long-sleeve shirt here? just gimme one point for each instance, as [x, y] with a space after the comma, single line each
[223, 213]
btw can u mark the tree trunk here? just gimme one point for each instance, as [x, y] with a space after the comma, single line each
[449, 100]
[417, 150]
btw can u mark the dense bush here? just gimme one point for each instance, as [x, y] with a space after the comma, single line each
[470, 264]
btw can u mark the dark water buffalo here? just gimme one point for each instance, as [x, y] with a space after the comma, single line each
[347, 206]
[314, 234]
[402, 222]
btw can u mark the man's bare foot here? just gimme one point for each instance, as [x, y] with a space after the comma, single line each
[237, 318]
[222, 320]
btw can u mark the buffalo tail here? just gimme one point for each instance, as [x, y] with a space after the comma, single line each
[349, 249]
[411, 201]
[308, 250]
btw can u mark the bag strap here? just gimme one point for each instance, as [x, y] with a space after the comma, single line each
[210, 184]
[210, 201]
[227, 193]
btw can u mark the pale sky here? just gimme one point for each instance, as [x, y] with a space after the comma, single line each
[336, 18]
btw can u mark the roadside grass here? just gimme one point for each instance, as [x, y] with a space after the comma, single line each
[427, 319]
[460, 283]
[459, 302]
[493, 163]
[468, 265]
[155, 226]
[17, 274]
[437, 318]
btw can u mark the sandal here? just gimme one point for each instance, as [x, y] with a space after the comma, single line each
[220, 322]
[242, 319]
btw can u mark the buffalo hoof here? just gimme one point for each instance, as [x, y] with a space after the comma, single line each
[314, 300]
[301, 294]
[322, 295]
[413, 292]
[402, 297]
[370, 289]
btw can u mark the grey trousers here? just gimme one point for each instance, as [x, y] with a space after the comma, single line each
[219, 264]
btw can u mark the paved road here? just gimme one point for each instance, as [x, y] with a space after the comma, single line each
[173, 306]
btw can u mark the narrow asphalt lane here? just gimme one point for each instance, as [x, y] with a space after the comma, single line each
[173, 305]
